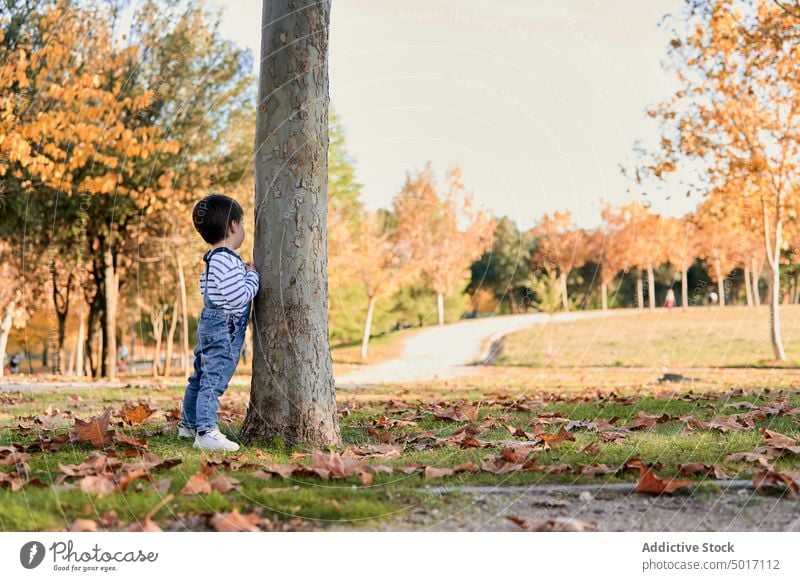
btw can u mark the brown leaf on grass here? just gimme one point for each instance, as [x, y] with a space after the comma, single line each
[777, 444]
[592, 448]
[16, 480]
[644, 421]
[765, 479]
[132, 441]
[700, 468]
[101, 485]
[128, 477]
[561, 436]
[150, 461]
[224, 483]
[649, 483]
[146, 525]
[235, 521]
[434, 472]
[198, 482]
[135, 413]
[595, 469]
[84, 525]
[94, 431]
[747, 457]
[553, 524]
[377, 450]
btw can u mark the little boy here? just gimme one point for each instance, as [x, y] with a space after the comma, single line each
[228, 285]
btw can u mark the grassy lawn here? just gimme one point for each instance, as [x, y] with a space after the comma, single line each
[381, 348]
[731, 336]
[617, 396]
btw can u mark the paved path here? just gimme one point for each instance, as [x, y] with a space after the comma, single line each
[447, 351]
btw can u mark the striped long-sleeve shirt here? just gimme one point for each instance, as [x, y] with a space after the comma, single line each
[230, 285]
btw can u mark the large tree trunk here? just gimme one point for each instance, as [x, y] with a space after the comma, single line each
[651, 287]
[109, 314]
[367, 327]
[5, 331]
[604, 295]
[440, 307]
[293, 392]
[685, 288]
[185, 353]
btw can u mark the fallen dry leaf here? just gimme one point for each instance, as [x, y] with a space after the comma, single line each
[553, 524]
[135, 413]
[649, 483]
[234, 521]
[94, 431]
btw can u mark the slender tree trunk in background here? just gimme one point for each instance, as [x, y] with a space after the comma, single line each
[185, 353]
[367, 327]
[685, 289]
[173, 324]
[564, 293]
[157, 319]
[440, 307]
[720, 282]
[109, 315]
[71, 364]
[293, 391]
[80, 343]
[604, 295]
[639, 290]
[774, 314]
[5, 331]
[513, 301]
[651, 287]
[748, 286]
[756, 274]
[794, 288]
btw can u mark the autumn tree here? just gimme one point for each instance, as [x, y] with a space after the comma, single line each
[682, 248]
[292, 393]
[561, 247]
[445, 233]
[382, 263]
[736, 112]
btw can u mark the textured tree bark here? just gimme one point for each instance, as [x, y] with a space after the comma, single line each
[651, 287]
[685, 289]
[293, 392]
[367, 327]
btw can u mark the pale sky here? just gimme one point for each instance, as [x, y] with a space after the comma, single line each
[538, 101]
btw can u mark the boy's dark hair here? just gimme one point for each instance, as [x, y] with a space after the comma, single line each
[213, 215]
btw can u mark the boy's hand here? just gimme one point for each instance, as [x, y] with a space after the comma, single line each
[249, 266]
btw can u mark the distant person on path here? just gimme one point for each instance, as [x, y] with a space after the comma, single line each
[670, 300]
[713, 298]
[228, 284]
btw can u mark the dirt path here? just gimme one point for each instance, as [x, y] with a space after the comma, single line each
[447, 351]
[610, 510]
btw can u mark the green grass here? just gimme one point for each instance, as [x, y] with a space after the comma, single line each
[731, 336]
[322, 501]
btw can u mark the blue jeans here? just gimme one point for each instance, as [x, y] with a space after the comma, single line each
[219, 343]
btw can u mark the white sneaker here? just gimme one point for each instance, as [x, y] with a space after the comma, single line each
[184, 432]
[214, 440]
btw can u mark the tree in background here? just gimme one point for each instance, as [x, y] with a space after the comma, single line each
[560, 246]
[736, 112]
[446, 235]
[681, 249]
[505, 266]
